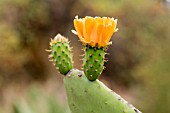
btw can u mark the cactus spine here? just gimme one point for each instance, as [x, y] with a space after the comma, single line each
[93, 63]
[85, 96]
[61, 54]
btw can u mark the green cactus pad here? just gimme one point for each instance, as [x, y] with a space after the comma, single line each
[61, 54]
[85, 96]
[93, 63]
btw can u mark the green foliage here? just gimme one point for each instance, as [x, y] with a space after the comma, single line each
[38, 103]
[85, 96]
[93, 62]
[61, 54]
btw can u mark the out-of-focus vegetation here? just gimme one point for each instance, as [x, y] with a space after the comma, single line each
[139, 60]
[39, 103]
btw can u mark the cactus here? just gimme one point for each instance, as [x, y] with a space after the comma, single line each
[61, 54]
[85, 96]
[93, 62]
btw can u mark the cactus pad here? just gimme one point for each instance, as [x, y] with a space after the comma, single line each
[61, 54]
[85, 96]
[93, 63]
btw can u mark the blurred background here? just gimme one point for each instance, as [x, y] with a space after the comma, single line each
[139, 58]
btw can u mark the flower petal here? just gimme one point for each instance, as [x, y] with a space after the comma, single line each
[99, 32]
[93, 36]
[79, 28]
[105, 34]
[98, 20]
[112, 29]
[105, 21]
[88, 27]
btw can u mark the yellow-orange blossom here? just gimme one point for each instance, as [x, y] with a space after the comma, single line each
[95, 31]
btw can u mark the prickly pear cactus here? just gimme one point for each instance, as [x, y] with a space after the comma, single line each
[93, 62]
[85, 96]
[85, 93]
[61, 54]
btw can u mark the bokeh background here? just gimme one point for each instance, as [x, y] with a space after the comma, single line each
[139, 58]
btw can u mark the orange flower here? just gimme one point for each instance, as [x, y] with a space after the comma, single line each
[95, 31]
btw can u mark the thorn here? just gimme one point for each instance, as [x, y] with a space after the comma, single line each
[105, 60]
[51, 43]
[90, 55]
[107, 53]
[58, 45]
[50, 56]
[82, 55]
[51, 60]
[82, 59]
[91, 66]
[95, 70]
[83, 49]
[68, 42]
[71, 48]
[53, 64]
[96, 60]
[48, 50]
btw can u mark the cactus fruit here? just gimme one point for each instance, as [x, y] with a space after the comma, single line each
[95, 34]
[61, 54]
[85, 96]
[93, 62]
